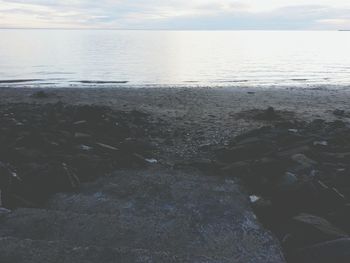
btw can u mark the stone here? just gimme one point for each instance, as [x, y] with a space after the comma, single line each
[320, 143]
[339, 112]
[270, 112]
[293, 130]
[335, 251]
[292, 151]
[79, 122]
[53, 134]
[288, 180]
[254, 198]
[107, 147]
[80, 135]
[4, 211]
[341, 217]
[311, 229]
[269, 115]
[303, 160]
[85, 147]
[151, 161]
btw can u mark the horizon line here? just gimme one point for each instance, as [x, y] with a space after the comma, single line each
[161, 29]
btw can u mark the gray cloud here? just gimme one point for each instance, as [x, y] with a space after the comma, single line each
[170, 14]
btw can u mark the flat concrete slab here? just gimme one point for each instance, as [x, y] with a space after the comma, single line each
[182, 215]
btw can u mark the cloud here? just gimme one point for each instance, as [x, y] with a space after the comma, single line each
[175, 14]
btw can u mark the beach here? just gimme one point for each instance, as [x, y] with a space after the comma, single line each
[176, 138]
[199, 116]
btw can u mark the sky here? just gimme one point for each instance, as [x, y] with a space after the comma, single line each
[177, 14]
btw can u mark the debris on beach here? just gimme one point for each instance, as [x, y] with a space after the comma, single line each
[298, 176]
[40, 95]
[269, 114]
[58, 146]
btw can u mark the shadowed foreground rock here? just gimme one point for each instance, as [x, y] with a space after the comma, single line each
[53, 147]
[141, 216]
[298, 175]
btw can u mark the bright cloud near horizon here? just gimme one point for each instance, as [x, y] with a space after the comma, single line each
[177, 14]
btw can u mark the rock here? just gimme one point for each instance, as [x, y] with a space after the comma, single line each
[335, 251]
[269, 114]
[289, 201]
[311, 229]
[269, 168]
[303, 160]
[53, 134]
[341, 217]
[264, 210]
[5, 175]
[303, 172]
[292, 151]
[73, 178]
[320, 143]
[237, 168]
[288, 180]
[80, 135]
[339, 112]
[151, 161]
[293, 130]
[85, 147]
[79, 122]
[244, 152]
[254, 198]
[4, 211]
[107, 147]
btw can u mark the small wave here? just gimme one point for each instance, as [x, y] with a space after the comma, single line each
[53, 73]
[299, 79]
[18, 80]
[233, 81]
[100, 82]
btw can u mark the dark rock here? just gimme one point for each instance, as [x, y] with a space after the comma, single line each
[245, 152]
[80, 122]
[5, 176]
[238, 169]
[4, 211]
[264, 210]
[339, 112]
[287, 181]
[341, 217]
[311, 229]
[269, 114]
[335, 251]
[107, 147]
[57, 146]
[303, 170]
[293, 150]
[303, 160]
[80, 135]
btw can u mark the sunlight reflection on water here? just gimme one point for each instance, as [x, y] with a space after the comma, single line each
[182, 58]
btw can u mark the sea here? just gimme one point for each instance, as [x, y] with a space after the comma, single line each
[122, 58]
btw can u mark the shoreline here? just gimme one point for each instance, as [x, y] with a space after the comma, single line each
[205, 116]
[187, 125]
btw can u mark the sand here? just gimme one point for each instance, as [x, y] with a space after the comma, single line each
[196, 117]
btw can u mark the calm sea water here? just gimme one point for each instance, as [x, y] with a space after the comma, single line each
[173, 58]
